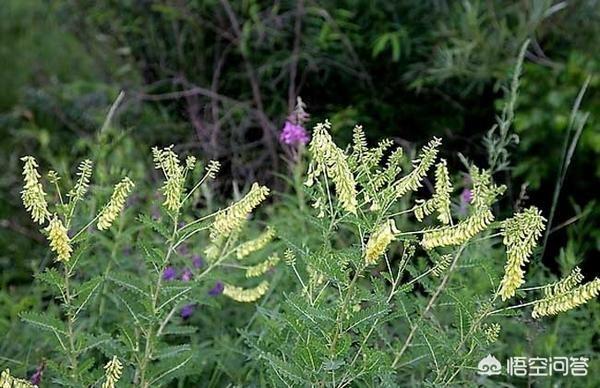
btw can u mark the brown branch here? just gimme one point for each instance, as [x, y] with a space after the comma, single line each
[267, 126]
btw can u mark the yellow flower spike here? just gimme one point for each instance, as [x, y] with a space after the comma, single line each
[491, 332]
[60, 243]
[443, 188]
[213, 169]
[441, 265]
[114, 370]
[84, 173]
[564, 285]
[256, 244]
[459, 233]
[246, 295]
[167, 160]
[116, 203]
[33, 195]
[190, 162]
[261, 268]
[8, 381]
[520, 235]
[231, 220]
[331, 161]
[568, 300]
[413, 181]
[379, 241]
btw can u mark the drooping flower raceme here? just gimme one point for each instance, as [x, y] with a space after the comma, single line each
[230, 220]
[116, 203]
[484, 194]
[60, 243]
[33, 195]
[330, 160]
[520, 235]
[440, 201]
[246, 295]
[261, 268]
[566, 299]
[413, 181]
[113, 370]
[8, 381]
[256, 244]
[379, 241]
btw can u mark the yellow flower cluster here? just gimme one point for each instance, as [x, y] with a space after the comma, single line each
[413, 181]
[246, 295]
[167, 160]
[33, 195]
[379, 241]
[84, 173]
[116, 203]
[289, 257]
[256, 244]
[442, 265]
[391, 170]
[261, 268]
[484, 190]
[8, 381]
[568, 283]
[212, 169]
[113, 369]
[520, 235]
[330, 160]
[60, 243]
[190, 162]
[232, 219]
[459, 233]
[484, 194]
[491, 332]
[441, 198]
[566, 300]
[359, 142]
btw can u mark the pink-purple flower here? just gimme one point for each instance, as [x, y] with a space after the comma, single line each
[187, 275]
[293, 134]
[36, 378]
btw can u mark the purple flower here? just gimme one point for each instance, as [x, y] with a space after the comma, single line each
[169, 273]
[197, 261]
[217, 289]
[36, 378]
[293, 134]
[187, 275]
[466, 196]
[183, 250]
[187, 311]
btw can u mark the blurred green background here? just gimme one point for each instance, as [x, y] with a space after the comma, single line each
[218, 78]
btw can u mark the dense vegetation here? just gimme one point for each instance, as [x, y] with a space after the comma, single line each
[339, 282]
